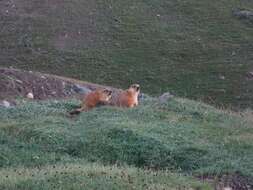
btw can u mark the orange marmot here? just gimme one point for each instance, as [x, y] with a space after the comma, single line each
[93, 99]
[126, 98]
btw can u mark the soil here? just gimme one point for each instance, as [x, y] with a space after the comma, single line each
[17, 83]
[229, 181]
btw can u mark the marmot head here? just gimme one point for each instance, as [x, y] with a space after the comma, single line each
[105, 95]
[135, 88]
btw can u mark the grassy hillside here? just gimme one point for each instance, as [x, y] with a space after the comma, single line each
[192, 48]
[153, 146]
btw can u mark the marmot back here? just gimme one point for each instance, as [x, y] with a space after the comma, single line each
[93, 99]
[126, 98]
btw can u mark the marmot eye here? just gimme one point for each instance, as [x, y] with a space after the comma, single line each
[136, 87]
[109, 92]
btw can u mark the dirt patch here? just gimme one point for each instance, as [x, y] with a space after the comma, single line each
[235, 182]
[230, 182]
[17, 83]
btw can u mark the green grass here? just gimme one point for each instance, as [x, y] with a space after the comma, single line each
[165, 146]
[93, 176]
[184, 46]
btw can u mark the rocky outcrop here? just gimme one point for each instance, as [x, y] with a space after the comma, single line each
[243, 14]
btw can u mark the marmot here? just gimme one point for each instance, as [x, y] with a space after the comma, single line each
[93, 99]
[126, 98]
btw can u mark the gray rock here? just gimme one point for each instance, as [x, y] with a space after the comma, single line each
[80, 89]
[243, 14]
[249, 75]
[5, 104]
[142, 96]
[222, 77]
[165, 97]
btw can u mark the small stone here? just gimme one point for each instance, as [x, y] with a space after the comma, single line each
[19, 81]
[222, 77]
[243, 14]
[165, 97]
[5, 104]
[142, 96]
[249, 75]
[227, 188]
[30, 95]
[36, 157]
[81, 89]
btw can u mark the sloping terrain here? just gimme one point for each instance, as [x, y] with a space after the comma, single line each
[178, 144]
[16, 84]
[196, 49]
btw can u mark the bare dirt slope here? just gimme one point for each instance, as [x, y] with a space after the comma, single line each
[17, 83]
